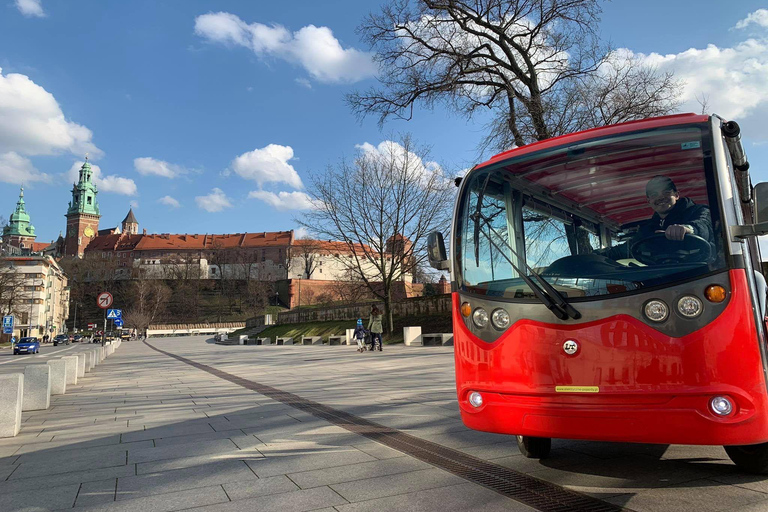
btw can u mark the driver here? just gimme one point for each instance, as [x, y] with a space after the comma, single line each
[674, 216]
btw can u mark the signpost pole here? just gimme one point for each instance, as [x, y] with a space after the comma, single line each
[104, 332]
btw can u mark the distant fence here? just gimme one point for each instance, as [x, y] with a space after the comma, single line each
[415, 306]
[192, 329]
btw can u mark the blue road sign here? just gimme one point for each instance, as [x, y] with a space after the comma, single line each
[119, 322]
[8, 324]
[114, 314]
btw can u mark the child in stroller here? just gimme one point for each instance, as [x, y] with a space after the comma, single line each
[360, 335]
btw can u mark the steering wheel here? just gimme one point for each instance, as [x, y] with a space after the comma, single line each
[657, 249]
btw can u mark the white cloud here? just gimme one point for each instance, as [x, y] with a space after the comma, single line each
[133, 204]
[733, 81]
[389, 152]
[32, 123]
[18, 170]
[30, 8]
[110, 184]
[759, 17]
[304, 83]
[300, 232]
[284, 200]
[150, 166]
[314, 48]
[216, 201]
[268, 165]
[169, 201]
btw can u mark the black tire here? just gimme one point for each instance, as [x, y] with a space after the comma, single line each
[750, 458]
[534, 447]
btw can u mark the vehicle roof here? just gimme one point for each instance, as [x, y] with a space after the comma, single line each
[612, 184]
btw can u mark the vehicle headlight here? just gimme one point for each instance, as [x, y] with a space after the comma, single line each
[689, 306]
[500, 319]
[656, 310]
[480, 317]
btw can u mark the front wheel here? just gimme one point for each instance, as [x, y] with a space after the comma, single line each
[751, 458]
[534, 447]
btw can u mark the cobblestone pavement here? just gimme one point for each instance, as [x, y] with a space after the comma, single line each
[146, 432]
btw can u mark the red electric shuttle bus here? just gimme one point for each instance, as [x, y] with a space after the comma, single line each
[607, 286]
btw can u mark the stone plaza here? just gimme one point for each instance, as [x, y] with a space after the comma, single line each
[175, 424]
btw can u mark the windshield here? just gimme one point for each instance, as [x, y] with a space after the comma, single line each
[606, 216]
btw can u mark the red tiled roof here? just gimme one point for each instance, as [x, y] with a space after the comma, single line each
[155, 242]
[39, 246]
[330, 246]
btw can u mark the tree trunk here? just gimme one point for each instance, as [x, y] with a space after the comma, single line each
[388, 311]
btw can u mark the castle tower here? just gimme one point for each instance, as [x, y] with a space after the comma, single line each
[83, 214]
[130, 224]
[19, 232]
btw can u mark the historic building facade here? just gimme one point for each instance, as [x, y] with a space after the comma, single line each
[34, 290]
[82, 215]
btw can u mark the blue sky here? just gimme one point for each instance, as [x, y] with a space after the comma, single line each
[208, 118]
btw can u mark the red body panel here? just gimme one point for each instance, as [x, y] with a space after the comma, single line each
[652, 388]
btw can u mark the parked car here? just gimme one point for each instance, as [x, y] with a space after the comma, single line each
[78, 338]
[27, 345]
[61, 339]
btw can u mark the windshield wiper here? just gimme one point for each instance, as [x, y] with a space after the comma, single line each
[546, 293]
[476, 218]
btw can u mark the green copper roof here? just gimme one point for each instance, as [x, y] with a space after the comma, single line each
[19, 224]
[84, 193]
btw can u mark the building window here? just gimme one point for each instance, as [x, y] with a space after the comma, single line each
[89, 199]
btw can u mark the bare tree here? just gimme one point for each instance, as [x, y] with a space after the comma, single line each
[382, 206]
[538, 65]
[14, 299]
[307, 252]
[147, 299]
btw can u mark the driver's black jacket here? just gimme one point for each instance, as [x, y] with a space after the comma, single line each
[685, 212]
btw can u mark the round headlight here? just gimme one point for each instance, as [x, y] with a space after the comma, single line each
[475, 399]
[500, 319]
[689, 306]
[480, 317]
[656, 310]
[721, 406]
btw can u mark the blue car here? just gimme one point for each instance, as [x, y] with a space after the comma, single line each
[28, 345]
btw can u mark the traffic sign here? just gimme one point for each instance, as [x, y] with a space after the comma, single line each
[8, 324]
[114, 314]
[119, 322]
[91, 326]
[104, 300]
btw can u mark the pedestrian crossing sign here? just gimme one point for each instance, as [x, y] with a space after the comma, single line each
[113, 314]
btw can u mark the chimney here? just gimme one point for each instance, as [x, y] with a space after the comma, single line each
[144, 231]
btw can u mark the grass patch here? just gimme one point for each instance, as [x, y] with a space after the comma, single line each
[429, 324]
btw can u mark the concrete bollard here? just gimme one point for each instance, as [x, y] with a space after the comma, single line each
[412, 336]
[96, 360]
[88, 361]
[37, 392]
[11, 394]
[80, 365]
[72, 372]
[58, 376]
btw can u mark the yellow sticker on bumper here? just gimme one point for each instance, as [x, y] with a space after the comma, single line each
[577, 389]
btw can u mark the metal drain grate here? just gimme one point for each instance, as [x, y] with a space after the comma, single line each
[539, 494]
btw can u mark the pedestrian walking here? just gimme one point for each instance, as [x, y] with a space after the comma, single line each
[376, 328]
[359, 335]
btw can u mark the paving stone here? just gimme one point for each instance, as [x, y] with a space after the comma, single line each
[221, 446]
[455, 498]
[168, 431]
[50, 463]
[296, 501]
[261, 487]
[273, 464]
[96, 493]
[401, 483]
[213, 473]
[355, 472]
[699, 495]
[169, 502]
[43, 498]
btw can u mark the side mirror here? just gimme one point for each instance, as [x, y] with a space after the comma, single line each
[436, 251]
[761, 202]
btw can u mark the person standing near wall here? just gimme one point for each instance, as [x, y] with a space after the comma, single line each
[375, 326]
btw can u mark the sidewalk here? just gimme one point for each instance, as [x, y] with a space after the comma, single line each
[144, 432]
